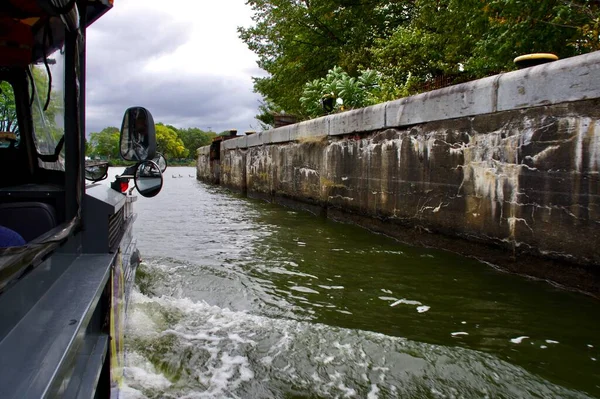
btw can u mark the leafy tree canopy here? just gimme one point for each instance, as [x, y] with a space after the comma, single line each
[172, 142]
[8, 109]
[410, 43]
[194, 138]
[104, 144]
[168, 143]
[477, 38]
[298, 41]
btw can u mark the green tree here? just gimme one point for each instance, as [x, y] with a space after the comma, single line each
[266, 116]
[89, 149]
[468, 39]
[104, 144]
[411, 43]
[298, 41]
[8, 109]
[168, 143]
[194, 138]
[563, 27]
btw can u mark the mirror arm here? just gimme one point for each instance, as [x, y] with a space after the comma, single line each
[130, 170]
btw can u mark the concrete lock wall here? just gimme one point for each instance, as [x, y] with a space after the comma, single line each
[506, 169]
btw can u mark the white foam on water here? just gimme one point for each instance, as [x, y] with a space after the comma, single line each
[216, 353]
[590, 346]
[387, 251]
[236, 338]
[267, 360]
[456, 334]
[549, 341]
[423, 309]
[223, 378]
[518, 340]
[306, 290]
[143, 374]
[405, 301]
[388, 298]
[543, 347]
[374, 392]
[386, 291]
[345, 347]
[126, 392]
[348, 392]
[142, 321]
[148, 379]
[331, 287]
[325, 359]
[379, 368]
[290, 295]
[302, 244]
[463, 322]
[281, 270]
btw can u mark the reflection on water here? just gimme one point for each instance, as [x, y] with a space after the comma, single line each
[240, 298]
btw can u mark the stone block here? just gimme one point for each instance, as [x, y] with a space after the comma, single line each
[358, 120]
[312, 128]
[571, 79]
[466, 99]
[204, 151]
[254, 139]
[229, 144]
[279, 135]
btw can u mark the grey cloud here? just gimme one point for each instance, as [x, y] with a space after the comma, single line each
[186, 101]
[137, 36]
[119, 48]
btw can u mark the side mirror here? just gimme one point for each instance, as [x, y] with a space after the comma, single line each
[161, 161]
[96, 170]
[148, 179]
[138, 137]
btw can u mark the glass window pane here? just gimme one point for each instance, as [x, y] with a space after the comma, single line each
[9, 125]
[49, 125]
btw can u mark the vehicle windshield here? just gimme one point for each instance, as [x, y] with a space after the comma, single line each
[9, 126]
[48, 113]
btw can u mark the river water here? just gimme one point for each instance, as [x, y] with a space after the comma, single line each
[245, 299]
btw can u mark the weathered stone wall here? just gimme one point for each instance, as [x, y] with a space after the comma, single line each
[506, 168]
[208, 169]
[203, 170]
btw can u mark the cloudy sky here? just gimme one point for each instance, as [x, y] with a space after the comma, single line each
[181, 59]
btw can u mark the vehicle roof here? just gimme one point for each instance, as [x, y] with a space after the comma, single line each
[28, 34]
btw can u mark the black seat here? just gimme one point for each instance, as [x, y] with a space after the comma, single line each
[29, 219]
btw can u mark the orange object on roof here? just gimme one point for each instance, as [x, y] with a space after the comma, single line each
[34, 8]
[22, 21]
[16, 42]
